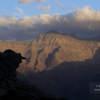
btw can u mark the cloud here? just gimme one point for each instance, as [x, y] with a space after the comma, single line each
[45, 9]
[29, 1]
[61, 5]
[39, 1]
[83, 22]
[24, 1]
[91, 28]
[19, 10]
[73, 7]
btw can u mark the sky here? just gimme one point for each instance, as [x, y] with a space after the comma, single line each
[24, 20]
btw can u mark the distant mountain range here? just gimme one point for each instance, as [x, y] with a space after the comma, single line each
[59, 63]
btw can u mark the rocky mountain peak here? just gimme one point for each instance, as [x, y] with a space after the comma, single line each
[52, 31]
[54, 36]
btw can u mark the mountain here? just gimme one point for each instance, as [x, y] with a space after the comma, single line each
[59, 63]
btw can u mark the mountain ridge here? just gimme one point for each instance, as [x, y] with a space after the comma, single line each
[47, 43]
[56, 59]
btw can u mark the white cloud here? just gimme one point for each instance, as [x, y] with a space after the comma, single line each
[83, 22]
[39, 1]
[45, 9]
[73, 7]
[29, 1]
[19, 10]
[61, 5]
[24, 1]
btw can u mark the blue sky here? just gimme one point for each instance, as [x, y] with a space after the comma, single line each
[22, 20]
[8, 7]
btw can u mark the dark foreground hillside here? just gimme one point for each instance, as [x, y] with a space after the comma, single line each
[10, 87]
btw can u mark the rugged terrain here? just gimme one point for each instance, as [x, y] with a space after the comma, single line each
[59, 63]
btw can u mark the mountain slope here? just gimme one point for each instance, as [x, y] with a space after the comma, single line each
[59, 63]
[53, 47]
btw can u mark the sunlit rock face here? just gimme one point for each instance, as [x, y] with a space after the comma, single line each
[52, 48]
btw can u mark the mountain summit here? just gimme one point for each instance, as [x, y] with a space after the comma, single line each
[52, 31]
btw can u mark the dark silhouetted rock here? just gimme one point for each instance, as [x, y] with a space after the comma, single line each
[10, 87]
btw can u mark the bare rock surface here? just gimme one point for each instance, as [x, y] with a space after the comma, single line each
[51, 49]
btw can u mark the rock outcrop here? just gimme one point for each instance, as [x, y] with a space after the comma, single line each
[10, 87]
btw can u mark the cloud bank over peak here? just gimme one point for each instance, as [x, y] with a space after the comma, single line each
[86, 13]
[83, 22]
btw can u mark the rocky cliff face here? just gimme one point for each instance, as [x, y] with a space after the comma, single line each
[52, 48]
[59, 63]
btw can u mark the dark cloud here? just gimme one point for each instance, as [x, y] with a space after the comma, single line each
[83, 22]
